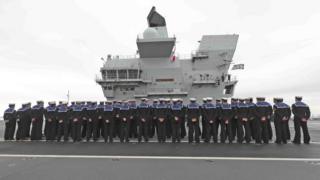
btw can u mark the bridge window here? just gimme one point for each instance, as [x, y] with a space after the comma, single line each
[123, 74]
[111, 74]
[133, 73]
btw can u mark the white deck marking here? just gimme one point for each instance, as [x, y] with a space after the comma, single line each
[156, 157]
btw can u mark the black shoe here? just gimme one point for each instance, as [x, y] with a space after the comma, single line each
[296, 142]
[277, 142]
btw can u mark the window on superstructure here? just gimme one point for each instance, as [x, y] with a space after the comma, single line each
[133, 73]
[103, 74]
[111, 74]
[122, 74]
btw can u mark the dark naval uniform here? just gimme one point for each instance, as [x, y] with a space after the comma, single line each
[168, 123]
[301, 114]
[251, 116]
[92, 122]
[108, 122]
[203, 119]
[125, 122]
[153, 119]
[51, 122]
[176, 119]
[282, 115]
[263, 111]
[183, 119]
[235, 123]
[10, 117]
[84, 119]
[100, 110]
[117, 120]
[96, 121]
[161, 114]
[76, 122]
[37, 113]
[210, 112]
[63, 121]
[243, 118]
[28, 117]
[133, 131]
[22, 122]
[70, 109]
[143, 121]
[218, 119]
[193, 114]
[226, 115]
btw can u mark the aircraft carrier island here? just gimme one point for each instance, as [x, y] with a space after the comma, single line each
[156, 72]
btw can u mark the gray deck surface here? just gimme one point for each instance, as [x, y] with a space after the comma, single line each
[29, 160]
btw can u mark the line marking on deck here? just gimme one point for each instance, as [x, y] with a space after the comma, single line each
[156, 157]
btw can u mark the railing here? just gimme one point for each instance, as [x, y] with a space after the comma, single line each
[99, 79]
[119, 57]
[140, 36]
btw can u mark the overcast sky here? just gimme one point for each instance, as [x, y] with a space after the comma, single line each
[50, 47]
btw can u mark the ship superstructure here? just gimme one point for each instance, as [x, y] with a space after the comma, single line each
[155, 72]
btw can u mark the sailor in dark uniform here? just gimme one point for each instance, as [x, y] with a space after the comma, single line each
[10, 118]
[69, 121]
[108, 121]
[168, 123]
[63, 121]
[176, 120]
[51, 121]
[76, 121]
[161, 114]
[92, 123]
[203, 118]
[193, 114]
[60, 103]
[154, 119]
[183, 119]
[22, 118]
[226, 116]
[37, 113]
[210, 113]
[117, 121]
[125, 121]
[235, 123]
[133, 131]
[84, 118]
[218, 119]
[243, 118]
[282, 113]
[143, 120]
[301, 114]
[263, 112]
[100, 110]
[251, 116]
[94, 115]
[28, 116]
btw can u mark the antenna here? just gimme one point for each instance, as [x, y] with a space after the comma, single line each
[68, 96]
